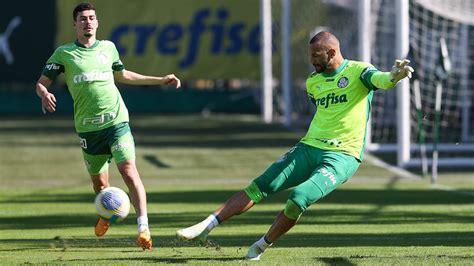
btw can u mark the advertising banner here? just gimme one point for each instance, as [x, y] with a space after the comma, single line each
[27, 31]
[205, 39]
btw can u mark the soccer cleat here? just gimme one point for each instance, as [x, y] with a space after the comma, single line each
[254, 252]
[101, 227]
[197, 232]
[144, 240]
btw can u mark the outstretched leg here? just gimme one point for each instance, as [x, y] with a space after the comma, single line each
[239, 203]
[235, 205]
[290, 170]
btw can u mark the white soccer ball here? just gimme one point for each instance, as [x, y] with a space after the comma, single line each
[112, 204]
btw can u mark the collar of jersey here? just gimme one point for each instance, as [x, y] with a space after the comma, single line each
[78, 44]
[338, 70]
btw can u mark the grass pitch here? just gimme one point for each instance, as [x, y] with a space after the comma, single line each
[190, 165]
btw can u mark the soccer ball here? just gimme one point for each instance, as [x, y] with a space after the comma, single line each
[112, 204]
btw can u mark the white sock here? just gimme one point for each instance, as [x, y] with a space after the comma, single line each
[142, 222]
[210, 222]
[262, 243]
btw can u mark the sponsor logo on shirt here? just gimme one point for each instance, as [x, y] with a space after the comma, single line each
[330, 99]
[99, 119]
[52, 66]
[94, 75]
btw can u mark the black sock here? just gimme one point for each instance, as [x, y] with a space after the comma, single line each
[266, 240]
[218, 219]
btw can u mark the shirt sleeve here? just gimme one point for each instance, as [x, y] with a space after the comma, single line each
[117, 64]
[375, 79]
[54, 66]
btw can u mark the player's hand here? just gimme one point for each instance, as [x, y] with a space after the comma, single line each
[48, 103]
[401, 70]
[171, 79]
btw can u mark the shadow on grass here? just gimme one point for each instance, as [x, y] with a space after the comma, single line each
[159, 259]
[453, 239]
[354, 206]
[312, 217]
[340, 261]
[186, 131]
[351, 196]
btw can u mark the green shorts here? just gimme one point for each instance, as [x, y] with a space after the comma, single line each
[99, 147]
[313, 172]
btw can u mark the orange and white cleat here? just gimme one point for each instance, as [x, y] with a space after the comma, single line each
[144, 240]
[101, 227]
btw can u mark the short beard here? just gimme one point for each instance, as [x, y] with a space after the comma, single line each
[323, 68]
[88, 34]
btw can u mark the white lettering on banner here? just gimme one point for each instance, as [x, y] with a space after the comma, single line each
[4, 45]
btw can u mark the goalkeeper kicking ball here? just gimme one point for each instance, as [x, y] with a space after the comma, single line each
[112, 204]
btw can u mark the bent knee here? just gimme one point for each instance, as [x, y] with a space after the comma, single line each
[292, 210]
[301, 198]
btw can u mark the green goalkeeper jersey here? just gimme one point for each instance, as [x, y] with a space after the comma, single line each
[342, 100]
[90, 81]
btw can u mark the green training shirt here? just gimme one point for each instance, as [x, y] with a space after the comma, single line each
[90, 81]
[343, 100]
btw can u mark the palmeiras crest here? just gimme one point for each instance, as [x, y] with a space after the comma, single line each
[343, 82]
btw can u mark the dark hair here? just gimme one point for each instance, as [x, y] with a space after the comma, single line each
[82, 7]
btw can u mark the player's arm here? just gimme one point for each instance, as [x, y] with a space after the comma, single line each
[386, 80]
[132, 78]
[48, 101]
[51, 70]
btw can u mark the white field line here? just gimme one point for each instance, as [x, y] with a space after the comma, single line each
[404, 173]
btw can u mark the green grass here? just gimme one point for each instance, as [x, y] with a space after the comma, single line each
[190, 166]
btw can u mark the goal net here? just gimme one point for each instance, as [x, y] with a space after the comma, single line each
[432, 22]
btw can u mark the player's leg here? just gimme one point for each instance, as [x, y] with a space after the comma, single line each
[99, 182]
[290, 170]
[135, 186]
[336, 168]
[97, 166]
[97, 157]
[239, 203]
[123, 151]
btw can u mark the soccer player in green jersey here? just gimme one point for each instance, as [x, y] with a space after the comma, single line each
[91, 68]
[327, 156]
